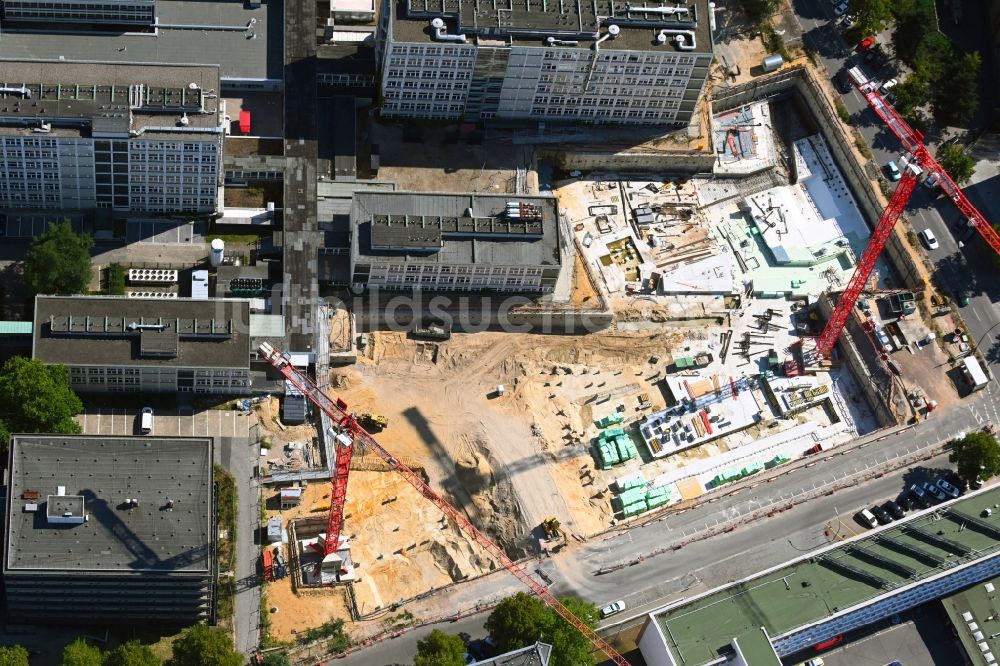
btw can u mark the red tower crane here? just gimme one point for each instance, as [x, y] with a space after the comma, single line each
[917, 158]
[351, 434]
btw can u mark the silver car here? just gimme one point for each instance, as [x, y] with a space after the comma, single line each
[612, 608]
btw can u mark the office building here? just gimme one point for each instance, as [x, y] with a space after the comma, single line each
[464, 242]
[596, 62]
[109, 530]
[244, 39]
[113, 344]
[816, 599]
[129, 138]
[79, 14]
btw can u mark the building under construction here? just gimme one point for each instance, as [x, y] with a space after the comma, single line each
[109, 529]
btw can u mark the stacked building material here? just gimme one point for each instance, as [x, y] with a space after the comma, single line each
[611, 419]
[657, 497]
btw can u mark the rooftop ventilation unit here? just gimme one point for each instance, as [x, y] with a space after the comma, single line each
[153, 275]
[152, 294]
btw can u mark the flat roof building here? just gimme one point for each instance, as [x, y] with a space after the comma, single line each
[79, 14]
[831, 591]
[109, 529]
[244, 40]
[465, 242]
[130, 138]
[113, 344]
[599, 62]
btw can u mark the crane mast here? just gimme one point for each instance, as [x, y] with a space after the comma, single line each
[352, 434]
[918, 157]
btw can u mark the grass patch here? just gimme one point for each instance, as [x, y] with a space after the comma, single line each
[842, 112]
[116, 280]
[773, 42]
[225, 507]
[862, 146]
[334, 630]
[235, 239]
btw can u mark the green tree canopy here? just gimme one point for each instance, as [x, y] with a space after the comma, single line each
[870, 16]
[81, 653]
[523, 619]
[132, 653]
[58, 261]
[35, 397]
[201, 645]
[758, 10]
[517, 621]
[440, 649]
[977, 455]
[15, 655]
[959, 164]
[956, 90]
[912, 93]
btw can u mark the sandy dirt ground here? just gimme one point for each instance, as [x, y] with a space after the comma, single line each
[507, 461]
[298, 612]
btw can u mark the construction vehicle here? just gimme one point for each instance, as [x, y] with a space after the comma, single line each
[555, 538]
[916, 161]
[372, 420]
[352, 435]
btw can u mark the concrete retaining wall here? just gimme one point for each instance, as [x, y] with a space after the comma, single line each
[798, 80]
[656, 162]
[873, 378]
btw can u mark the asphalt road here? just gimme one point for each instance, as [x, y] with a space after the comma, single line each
[704, 563]
[959, 268]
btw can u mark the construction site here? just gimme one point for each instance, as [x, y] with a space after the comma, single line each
[717, 286]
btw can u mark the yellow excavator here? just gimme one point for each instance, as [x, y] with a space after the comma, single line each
[372, 421]
[555, 537]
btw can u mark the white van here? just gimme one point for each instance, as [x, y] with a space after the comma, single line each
[146, 421]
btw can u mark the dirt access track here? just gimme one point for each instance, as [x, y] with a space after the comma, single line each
[507, 461]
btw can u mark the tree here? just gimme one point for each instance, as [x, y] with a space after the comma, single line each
[35, 397]
[276, 659]
[977, 455]
[523, 619]
[916, 20]
[759, 10]
[81, 653]
[132, 653]
[201, 645]
[58, 261]
[15, 655]
[912, 93]
[956, 90]
[440, 649]
[959, 165]
[573, 647]
[870, 16]
[517, 621]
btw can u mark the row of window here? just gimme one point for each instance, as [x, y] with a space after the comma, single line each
[433, 269]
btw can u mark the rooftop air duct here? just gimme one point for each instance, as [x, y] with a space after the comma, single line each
[680, 39]
[439, 36]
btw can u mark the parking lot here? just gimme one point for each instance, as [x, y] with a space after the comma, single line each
[122, 421]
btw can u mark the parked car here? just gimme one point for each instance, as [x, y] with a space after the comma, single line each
[867, 43]
[929, 239]
[957, 481]
[842, 81]
[888, 85]
[948, 488]
[840, 9]
[895, 510]
[866, 518]
[931, 181]
[934, 491]
[920, 498]
[893, 171]
[612, 608]
[146, 421]
[882, 515]
[977, 484]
